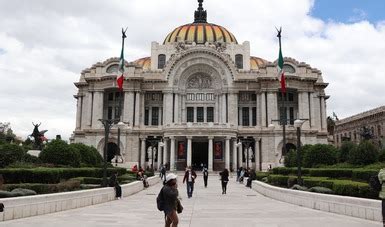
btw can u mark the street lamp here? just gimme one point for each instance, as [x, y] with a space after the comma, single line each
[298, 124]
[120, 125]
[107, 123]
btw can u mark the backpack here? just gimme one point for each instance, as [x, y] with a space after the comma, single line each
[160, 200]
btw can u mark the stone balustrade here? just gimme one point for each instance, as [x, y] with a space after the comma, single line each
[21, 207]
[356, 207]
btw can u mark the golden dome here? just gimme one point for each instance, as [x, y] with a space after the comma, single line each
[200, 33]
[145, 63]
[256, 62]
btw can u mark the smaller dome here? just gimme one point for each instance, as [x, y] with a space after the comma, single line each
[145, 63]
[256, 62]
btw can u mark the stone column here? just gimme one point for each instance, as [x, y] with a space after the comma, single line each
[240, 150]
[137, 109]
[172, 154]
[257, 152]
[259, 109]
[303, 109]
[183, 111]
[210, 158]
[167, 108]
[79, 112]
[315, 111]
[143, 153]
[223, 110]
[97, 109]
[141, 109]
[149, 116]
[227, 153]
[323, 113]
[263, 110]
[86, 110]
[233, 108]
[128, 110]
[272, 107]
[235, 151]
[176, 111]
[159, 159]
[189, 150]
[165, 151]
[216, 109]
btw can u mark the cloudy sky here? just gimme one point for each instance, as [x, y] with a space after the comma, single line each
[44, 45]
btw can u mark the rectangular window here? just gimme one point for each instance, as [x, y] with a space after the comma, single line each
[109, 112]
[291, 115]
[146, 116]
[190, 114]
[283, 116]
[254, 120]
[210, 114]
[155, 116]
[245, 116]
[200, 114]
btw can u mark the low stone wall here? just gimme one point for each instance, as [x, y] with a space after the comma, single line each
[21, 207]
[356, 207]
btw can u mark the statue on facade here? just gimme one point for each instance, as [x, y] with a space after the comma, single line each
[38, 136]
[366, 133]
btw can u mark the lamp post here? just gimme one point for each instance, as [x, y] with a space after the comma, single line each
[107, 123]
[120, 125]
[298, 124]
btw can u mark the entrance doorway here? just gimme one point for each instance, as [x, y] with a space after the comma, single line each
[199, 155]
[112, 150]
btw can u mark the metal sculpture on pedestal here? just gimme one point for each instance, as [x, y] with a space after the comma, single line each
[38, 136]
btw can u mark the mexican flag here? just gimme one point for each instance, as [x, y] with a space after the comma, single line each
[281, 73]
[120, 79]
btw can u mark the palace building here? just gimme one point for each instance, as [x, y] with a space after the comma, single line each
[201, 98]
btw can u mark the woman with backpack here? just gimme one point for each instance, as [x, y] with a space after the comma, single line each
[168, 202]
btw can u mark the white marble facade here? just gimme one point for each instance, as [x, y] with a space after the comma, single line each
[199, 96]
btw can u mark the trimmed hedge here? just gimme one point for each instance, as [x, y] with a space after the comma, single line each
[53, 175]
[65, 186]
[363, 174]
[280, 180]
[332, 173]
[261, 175]
[10, 153]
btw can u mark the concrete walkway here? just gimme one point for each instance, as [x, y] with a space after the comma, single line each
[241, 207]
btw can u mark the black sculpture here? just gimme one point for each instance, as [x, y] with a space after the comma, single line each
[366, 133]
[38, 136]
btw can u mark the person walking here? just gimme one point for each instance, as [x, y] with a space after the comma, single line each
[163, 173]
[168, 201]
[224, 180]
[189, 178]
[205, 176]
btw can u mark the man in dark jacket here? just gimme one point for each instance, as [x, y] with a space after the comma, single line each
[189, 178]
[252, 176]
[114, 183]
[205, 176]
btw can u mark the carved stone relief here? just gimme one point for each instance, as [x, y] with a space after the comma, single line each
[199, 81]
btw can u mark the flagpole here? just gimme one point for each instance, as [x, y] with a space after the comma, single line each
[283, 97]
[121, 91]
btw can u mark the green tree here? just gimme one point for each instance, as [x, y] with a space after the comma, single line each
[89, 156]
[10, 153]
[320, 154]
[58, 152]
[343, 152]
[363, 154]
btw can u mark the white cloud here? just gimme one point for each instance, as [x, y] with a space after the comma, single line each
[45, 44]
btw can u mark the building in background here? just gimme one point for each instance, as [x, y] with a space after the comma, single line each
[352, 128]
[200, 93]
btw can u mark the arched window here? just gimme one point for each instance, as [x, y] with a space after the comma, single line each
[113, 68]
[288, 68]
[161, 61]
[239, 61]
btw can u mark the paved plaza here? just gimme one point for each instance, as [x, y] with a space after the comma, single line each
[241, 207]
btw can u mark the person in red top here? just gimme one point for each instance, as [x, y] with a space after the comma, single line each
[134, 168]
[189, 178]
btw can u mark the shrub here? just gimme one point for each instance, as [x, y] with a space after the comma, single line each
[381, 156]
[53, 175]
[278, 180]
[319, 154]
[27, 158]
[10, 153]
[58, 152]
[352, 188]
[321, 190]
[365, 153]
[332, 173]
[363, 174]
[291, 159]
[289, 171]
[343, 152]
[23, 191]
[89, 156]
[317, 181]
[299, 187]
[261, 175]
